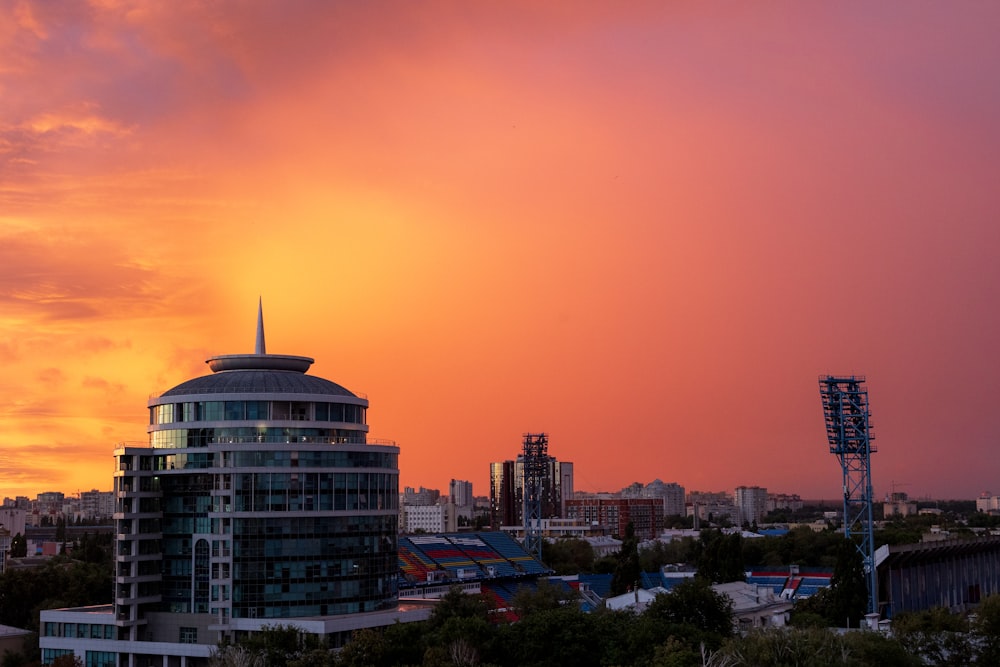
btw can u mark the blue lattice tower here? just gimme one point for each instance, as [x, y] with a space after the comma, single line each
[536, 457]
[848, 428]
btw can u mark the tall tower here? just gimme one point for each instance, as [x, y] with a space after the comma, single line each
[848, 428]
[536, 459]
[258, 499]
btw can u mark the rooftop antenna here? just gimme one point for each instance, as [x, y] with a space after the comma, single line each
[260, 348]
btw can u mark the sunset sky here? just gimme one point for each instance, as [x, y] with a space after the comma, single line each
[643, 228]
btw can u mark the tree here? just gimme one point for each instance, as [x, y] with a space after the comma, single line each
[568, 555]
[721, 558]
[545, 596]
[936, 634]
[814, 647]
[654, 557]
[455, 603]
[67, 660]
[279, 645]
[18, 546]
[986, 627]
[235, 656]
[848, 597]
[693, 602]
[626, 574]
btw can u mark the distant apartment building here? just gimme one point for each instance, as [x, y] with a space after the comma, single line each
[47, 507]
[711, 506]
[898, 504]
[507, 491]
[645, 514]
[460, 492]
[12, 522]
[96, 505]
[988, 503]
[783, 501]
[672, 495]
[421, 496]
[429, 518]
[20, 502]
[751, 501]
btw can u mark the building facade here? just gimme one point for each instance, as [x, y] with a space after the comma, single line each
[460, 492]
[645, 514]
[429, 518]
[258, 500]
[751, 501]
[671, 493]
[507, 491]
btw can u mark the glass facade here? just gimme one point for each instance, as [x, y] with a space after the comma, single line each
[180, 438]
[211, 411]
[311, 566]
[234, 512]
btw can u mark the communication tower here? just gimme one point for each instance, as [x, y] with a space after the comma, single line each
[536, 458]
[848, 428]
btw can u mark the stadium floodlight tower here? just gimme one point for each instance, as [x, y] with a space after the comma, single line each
[848, 428]
[535, 462]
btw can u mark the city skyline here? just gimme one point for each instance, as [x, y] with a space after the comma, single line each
[643, 230]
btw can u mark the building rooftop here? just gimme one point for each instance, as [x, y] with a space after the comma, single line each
[258, 373]
[258, 382]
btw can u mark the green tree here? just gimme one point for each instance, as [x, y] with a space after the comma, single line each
[568, 555]
[936, 634]
[551, 637]
[679, 551]
[397, 644]
[814, 647]
[693, 602]
[626, 574]
[848, 597]
[280, 644]
[455, 603]
[721, 557]
[235, 656]
[543, 597]
[986, 627]
[18, 546]
[68, 660]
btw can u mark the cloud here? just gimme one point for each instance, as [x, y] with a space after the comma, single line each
[51, 376]
[90, 382]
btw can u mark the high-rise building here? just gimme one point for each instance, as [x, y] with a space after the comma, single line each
[751, 501]
[97, 504]
[507, 490]
[258, 501]
[460, 492]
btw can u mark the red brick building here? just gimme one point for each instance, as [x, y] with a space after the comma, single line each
[645, 514]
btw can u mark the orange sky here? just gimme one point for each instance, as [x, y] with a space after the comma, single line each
[643, 229]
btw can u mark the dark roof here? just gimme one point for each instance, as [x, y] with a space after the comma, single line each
[258, 382]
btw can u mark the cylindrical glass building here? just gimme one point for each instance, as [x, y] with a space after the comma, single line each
[258, 497]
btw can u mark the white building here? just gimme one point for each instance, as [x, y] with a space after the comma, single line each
[429, 518]
[460, 492]
[987, 503]
[751, 502]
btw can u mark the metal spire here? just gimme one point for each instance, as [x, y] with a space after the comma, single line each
[261, 348]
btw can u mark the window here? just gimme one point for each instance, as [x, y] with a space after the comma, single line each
[101, 659]
[189, 636]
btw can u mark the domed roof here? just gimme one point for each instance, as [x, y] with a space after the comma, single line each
[259, 373]
[258, 381]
